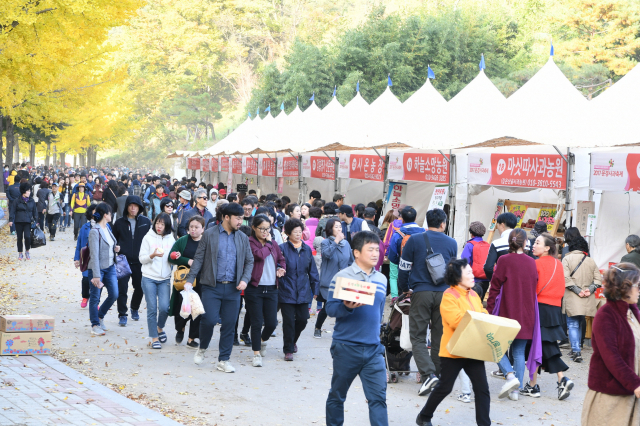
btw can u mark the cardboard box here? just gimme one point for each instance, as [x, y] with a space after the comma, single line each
[355, 291]
[14, 323]
[483, 337]
[29, 343]
[42, 323]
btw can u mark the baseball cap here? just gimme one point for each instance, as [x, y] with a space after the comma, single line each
[369, 212]
[222, 192]
[346, 210]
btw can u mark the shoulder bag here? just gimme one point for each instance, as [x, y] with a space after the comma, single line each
[85, 255]
[576, 268]
[180, 277]
[435, 263]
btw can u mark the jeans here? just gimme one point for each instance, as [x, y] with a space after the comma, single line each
[110, 280]
[52, 223]
[41, 220]
[221, 301]
[294, 320]
[262, 306]
[123, 288]
[478, 376]
[367, 362]
[466, 383]
[65, 219]
[318, 305]
[575, 331]
[425, 312]
[23, 230]
[156, 293]
[393, 279]
[517, 349]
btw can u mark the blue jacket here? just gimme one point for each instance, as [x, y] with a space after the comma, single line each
[356, 226]
[395, 245]
[301, 282]
[335, 257]
[83, 240]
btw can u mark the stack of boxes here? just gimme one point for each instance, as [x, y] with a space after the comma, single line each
[25, 334]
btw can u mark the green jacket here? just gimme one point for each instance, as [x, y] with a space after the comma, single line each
[178, 246]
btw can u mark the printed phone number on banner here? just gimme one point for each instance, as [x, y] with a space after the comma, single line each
[533, 183]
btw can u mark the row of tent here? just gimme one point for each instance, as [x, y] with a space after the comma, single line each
[546, 110]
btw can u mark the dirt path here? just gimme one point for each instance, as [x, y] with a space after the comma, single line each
[280, 393]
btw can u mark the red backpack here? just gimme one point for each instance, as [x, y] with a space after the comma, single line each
[480, 254]
[405, 238]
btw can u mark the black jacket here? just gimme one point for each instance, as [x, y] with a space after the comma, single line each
[21, 212]
[110, 198]
[43, 196]
[13, 192]
[130, 245]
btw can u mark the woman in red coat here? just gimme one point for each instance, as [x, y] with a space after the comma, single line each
[515, 279]
[550, 292]
[614, 380]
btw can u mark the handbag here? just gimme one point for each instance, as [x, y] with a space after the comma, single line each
[435, 263]
[123, 270]
[85, 256]
[180, 277]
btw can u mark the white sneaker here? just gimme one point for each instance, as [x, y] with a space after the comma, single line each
[513, 395]
[104, 327]
[464, 397]
[509, 386]
[226, 366]
[257, 361]
[198, 358]
[263, 349]
[97, 330]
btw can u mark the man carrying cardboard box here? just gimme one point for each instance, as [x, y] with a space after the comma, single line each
[356, 348]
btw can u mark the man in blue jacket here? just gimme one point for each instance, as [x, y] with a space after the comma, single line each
[356, 348]
[427, 295]
[409, 227]
[350, 225]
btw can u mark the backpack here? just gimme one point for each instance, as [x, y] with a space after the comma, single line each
[137, 190]
[405, 238]
[480, 254]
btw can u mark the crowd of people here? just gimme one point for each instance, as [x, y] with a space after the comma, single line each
[274, 255]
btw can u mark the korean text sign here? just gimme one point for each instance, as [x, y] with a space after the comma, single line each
[418, 167]
[518, 170]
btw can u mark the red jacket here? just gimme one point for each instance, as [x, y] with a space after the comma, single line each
[260, 253]
[612, 364]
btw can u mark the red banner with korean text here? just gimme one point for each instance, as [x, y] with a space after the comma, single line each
[268, 167]
[224, 164]
[518, 170]
[249, 165]
[361, 166]
[204, 164]
[193, 163]
[318, 166]
[287, 166]
[418, 167]
[213, 164]
[236, 166]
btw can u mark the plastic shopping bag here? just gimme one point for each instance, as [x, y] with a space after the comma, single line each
[185, 309]
[196, 305]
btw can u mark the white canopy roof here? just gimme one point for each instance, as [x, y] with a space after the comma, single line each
[424, 106]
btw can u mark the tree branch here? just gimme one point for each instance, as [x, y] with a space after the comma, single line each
[62, 90]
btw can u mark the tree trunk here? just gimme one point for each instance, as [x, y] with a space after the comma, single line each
[10, 142]
[47, 155]
[32, 151]
[63, 163]
[55, 156]
[2, 188]
[75, 161]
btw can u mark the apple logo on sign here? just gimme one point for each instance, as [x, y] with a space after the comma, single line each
[409, 164]
[501, 167]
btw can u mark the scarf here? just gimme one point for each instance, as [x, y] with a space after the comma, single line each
[25, 199]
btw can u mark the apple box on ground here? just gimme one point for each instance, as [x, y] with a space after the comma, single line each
[25, 343]
[355, 291]
[14, 323]
[483, 337]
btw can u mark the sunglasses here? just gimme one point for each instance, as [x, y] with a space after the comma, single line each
[204, 198]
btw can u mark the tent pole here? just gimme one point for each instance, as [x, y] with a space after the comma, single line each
[275, 164]
[570, 159]
[299, 175]
[453, 172]
[384, 180]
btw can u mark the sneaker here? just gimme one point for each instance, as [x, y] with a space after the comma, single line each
[564, 388]
[179, 336]
[288, 357]
[257, 360]
[532, 391]
[97, 330]
[464, 397]
[565, 344]
[13, 233]
[317, 334]
[193, 344]
[104, 327]
[123, 322]
[84, 303]
[236, 342]
[27, 256]
[52, 238]
[513, 395]
[226, 367]
[199, 356]
[135, 315]
[273, 334]
[263, 349]
[246, 339]
[511, 386]
[497, 375]
[431, 381]
[20, 256]
[295, 349]
[420, 421]
[576, 357]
